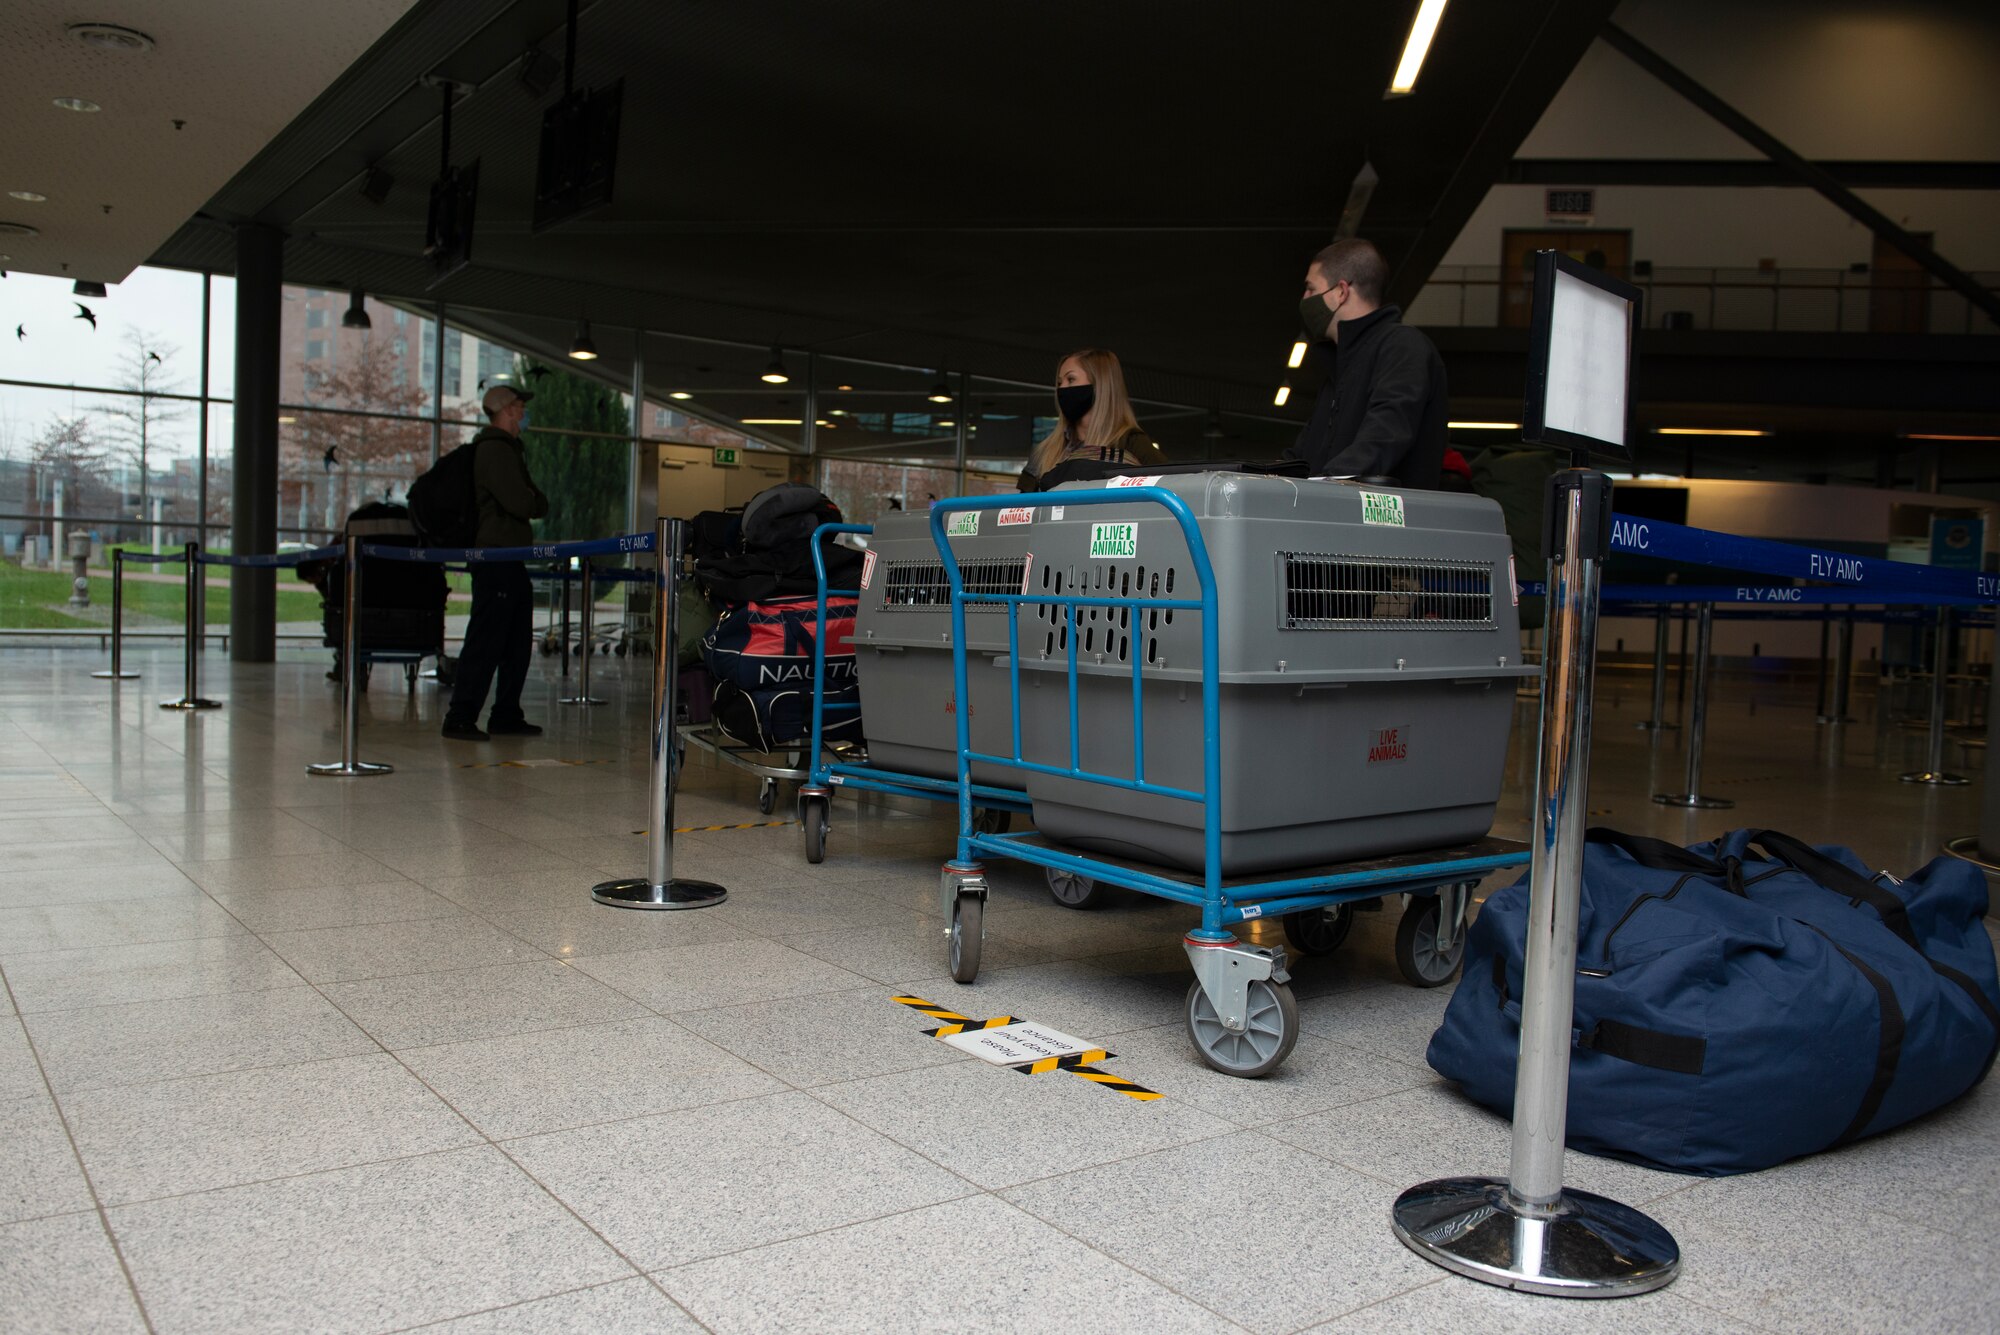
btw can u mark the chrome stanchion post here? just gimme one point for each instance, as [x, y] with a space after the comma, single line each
[583, 695]
[1843, 672]
[191, 683]
[1529, 1232]
[562, 641]
[349, 766]
[1704, 637]
[1658, 723]
[1934, 772]
[658, 888]
[117, 672]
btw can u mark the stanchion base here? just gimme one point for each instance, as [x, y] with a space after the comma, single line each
[1936, 778]
[1588, 1247]
[1693, 801]
[109, 675]
[640, 893]
[1966, 846]
[187, 704]
[1650, 726]
[580, 700]
[339, 769]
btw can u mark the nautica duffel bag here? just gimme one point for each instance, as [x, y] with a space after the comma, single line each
[1743, 1002]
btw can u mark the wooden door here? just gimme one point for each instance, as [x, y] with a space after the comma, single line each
[1899, 292]
[1608, 252]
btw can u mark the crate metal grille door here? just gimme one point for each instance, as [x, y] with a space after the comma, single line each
[1369, 593]
[921, 585]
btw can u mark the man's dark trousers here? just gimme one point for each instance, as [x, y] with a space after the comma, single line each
[499, 638]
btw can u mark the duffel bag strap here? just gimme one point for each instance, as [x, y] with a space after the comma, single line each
[1655, 853]
[1680, 1053]
[1831, 875]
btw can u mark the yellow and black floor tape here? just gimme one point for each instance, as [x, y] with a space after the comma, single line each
[526, 764]
[1077, 1063]
[707, 829]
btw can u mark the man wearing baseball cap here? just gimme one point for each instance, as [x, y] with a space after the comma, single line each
[499, 638]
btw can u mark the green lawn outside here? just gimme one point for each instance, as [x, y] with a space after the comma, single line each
[38, 600]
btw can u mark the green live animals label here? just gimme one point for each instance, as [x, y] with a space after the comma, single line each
[1114, 542]
[1382, 507]
[964, 524]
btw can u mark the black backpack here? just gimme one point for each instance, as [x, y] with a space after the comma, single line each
[443, 503]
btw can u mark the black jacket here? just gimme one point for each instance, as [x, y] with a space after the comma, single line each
[1382, 411]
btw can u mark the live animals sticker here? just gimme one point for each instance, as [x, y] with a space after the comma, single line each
[1115, 542]
[867, 567]
[1019, 514]
[1382, 507]
[964, 524]
[1135, 481]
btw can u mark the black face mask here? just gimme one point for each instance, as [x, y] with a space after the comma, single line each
[1075, 401]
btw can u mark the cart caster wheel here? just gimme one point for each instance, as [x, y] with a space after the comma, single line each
[1072, 890]
[968, 936]
[991, 820]
[1418, 954]
[1266, 1040]
[814, 818]
[767, 796]
[1319, 931]
[620, 651]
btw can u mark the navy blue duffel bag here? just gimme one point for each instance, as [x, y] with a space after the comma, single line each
[1743, 1002]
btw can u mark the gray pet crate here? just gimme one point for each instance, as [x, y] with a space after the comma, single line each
[1367, 668]
[902, 649]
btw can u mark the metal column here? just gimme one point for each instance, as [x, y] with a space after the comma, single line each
[253, 591]
[1529, 1232]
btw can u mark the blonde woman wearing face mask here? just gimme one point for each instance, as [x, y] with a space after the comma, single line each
[1096, 431]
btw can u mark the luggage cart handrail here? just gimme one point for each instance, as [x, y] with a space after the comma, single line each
[1212, 927]
[818, 763]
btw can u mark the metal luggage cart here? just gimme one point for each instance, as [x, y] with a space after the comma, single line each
[793, 769]
[1240, 1012]
[995, 806]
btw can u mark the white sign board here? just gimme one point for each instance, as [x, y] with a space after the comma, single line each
[1012, 1044]
[1589, 337]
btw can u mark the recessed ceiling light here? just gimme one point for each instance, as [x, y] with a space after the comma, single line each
[680, 394]
[18, 229]
[28, 196]
[1484, 426]
[1284, 392]
[1706, 431]
[843, 388]
[111, 37]
[77, 104]
[1298, 356]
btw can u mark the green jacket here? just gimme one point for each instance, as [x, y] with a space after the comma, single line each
[508, 498]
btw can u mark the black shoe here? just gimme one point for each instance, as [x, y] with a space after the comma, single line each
[465, 732]
[518, 728]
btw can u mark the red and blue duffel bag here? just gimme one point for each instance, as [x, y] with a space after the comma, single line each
[761, 656]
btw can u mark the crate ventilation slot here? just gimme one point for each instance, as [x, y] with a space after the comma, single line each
[915, 585]
[1359, 593]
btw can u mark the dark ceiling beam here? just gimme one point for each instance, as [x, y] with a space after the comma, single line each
[1771, 147]
[1749, 172]
[1543, 66]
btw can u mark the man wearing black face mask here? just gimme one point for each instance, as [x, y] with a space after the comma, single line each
[1381, 414]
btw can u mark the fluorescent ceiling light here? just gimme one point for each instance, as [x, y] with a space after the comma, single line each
[1927, 435]
[1422, 29]
[1484, 426]
[77, 104]
[946, 424]
[1284, 392]
[680, 394]
[772, 421]
[28, 196]
[1298, 356]
[1706, 431]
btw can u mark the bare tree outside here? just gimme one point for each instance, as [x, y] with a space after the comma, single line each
[69, 452]
[356, 458]
[134, 426]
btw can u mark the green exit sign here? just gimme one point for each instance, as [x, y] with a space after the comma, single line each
[725, 456]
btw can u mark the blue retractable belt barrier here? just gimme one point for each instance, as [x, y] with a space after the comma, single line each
[279, 561]
[1795, 595]
[153, 558]
[1676, 542]
[629, 542]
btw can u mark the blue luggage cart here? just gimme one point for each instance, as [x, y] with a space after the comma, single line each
[995, 806]
[1241, 1015]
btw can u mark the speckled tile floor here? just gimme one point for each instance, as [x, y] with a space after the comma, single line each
[287, 1053]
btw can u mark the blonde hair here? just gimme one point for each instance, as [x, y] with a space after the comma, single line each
[1110, 416]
